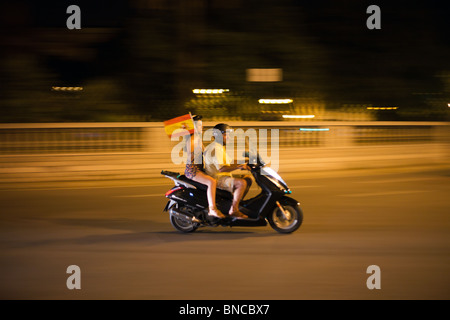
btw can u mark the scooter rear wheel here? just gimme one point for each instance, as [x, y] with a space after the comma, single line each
[183, 225]
[286, 224]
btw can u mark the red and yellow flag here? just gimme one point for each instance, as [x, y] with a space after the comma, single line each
[183, 122]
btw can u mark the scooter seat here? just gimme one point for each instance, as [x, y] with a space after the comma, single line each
[201, 186]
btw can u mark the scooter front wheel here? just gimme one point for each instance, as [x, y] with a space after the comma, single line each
[286, 222]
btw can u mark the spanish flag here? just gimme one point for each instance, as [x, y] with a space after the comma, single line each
[185, 123]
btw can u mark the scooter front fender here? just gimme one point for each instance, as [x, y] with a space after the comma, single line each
[285, 200]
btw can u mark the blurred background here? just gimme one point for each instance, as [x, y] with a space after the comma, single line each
[312, 70]
[142, 60]
[364, 143]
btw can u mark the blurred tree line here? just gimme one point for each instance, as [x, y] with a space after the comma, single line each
[140, 60]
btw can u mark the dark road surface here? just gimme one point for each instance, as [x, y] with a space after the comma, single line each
[127, 249]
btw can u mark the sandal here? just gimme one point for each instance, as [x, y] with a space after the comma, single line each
[238, 215]
[214, 212]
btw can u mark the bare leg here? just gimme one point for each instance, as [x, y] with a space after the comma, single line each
[211, 191]
[240, 185]
[211, 183]
[247, 189]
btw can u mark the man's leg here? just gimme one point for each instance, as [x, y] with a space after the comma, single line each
[249, 181]
[240, 187]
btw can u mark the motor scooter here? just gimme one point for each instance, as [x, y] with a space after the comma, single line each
[188, 204]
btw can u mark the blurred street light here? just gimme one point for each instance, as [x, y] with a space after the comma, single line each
[67, 88]
[293, 116]
[382, 108]
[210, 91]
[314, 129]
[275, 101]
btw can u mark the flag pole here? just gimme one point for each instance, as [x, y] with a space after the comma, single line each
[197, 135]
[195, 127]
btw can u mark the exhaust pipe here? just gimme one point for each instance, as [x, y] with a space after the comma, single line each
[186, 217]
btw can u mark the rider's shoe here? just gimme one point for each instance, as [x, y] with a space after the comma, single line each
[214, 212]
[238, 215]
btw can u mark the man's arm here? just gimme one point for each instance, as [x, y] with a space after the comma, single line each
[232, 167]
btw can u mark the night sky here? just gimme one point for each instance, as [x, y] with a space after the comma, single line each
[409, 51]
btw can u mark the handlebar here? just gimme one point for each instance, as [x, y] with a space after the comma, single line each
[259, 162]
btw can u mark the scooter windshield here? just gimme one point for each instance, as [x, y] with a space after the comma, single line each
[267, 171]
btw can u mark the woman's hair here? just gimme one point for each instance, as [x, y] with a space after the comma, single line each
[196, 151]
[187, 138]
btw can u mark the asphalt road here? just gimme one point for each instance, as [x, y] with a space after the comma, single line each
[126, 248]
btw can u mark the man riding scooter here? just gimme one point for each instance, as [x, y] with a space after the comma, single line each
[188, 202]
[233, 178]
